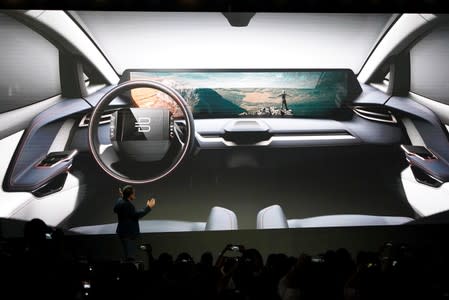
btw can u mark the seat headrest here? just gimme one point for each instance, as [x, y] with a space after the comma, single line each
[221, 219]
[271, 217]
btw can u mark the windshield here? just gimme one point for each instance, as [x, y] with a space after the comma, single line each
[167, 40]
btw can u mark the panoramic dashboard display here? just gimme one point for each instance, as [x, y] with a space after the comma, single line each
[212, 94]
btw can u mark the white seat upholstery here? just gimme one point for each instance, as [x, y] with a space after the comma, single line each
[271, 217]
[219, 219]
[274, 217]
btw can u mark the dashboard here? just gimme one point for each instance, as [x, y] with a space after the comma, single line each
[349, 114]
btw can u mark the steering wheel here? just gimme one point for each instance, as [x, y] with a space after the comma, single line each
[147, 144]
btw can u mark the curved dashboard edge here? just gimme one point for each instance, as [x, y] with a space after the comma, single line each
[371, 95]
[412, 107]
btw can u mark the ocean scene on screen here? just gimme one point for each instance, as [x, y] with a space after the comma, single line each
[247, 94]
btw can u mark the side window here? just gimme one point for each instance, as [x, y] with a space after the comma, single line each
[29, 66]
[429, 65]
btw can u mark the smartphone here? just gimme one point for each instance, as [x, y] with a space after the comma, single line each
[317, 260]
[86, 284]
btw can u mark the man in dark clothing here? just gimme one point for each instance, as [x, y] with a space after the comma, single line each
[128, 220]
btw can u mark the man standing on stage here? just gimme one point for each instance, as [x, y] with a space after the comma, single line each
[128, 220]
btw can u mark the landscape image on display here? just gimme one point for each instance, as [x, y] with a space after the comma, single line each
[246, 94]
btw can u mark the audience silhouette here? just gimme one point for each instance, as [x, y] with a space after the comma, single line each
[38, 266]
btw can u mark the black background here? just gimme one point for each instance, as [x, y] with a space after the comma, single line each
[421, 6]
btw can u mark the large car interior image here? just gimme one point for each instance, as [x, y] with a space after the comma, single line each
[231, 121]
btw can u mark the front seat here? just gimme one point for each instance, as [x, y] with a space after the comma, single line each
[274, 217]
[219, 219]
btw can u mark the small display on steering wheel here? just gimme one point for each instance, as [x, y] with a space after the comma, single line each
[132, 128]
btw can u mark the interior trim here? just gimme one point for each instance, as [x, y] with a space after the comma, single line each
[390, 23]
[63, 27]
[19, 119]
[440, 109]
[383, 86]
[413, 133]
[62, 137]
[400, 35]
[79, 22]
[276, 139]
[10, 201]
[55, 112]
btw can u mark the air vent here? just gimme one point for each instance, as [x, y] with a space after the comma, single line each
[374, 113]
[105, 119]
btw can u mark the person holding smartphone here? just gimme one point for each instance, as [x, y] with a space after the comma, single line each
[227, 266]
[128, 220]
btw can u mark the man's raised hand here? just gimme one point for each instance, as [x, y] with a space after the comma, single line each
[151, 203]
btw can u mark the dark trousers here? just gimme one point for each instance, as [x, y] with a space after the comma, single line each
[129, 245]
